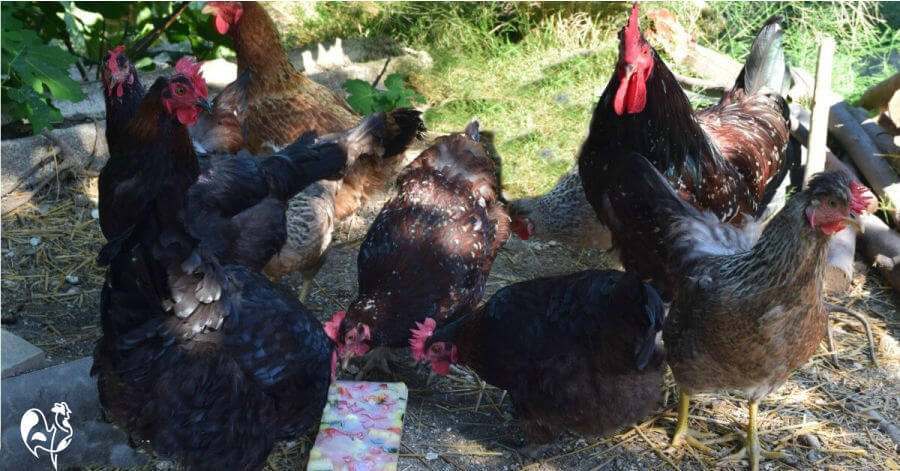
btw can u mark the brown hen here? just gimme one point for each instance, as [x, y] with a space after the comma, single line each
[282, 104]
[749, 307]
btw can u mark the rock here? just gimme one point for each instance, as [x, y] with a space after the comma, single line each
[29, 159]
[18, 356]
[811, 440]
[82, 200]
[431, 456]
[95, 213]
[72, 279]
[34, 241]
[94, 442]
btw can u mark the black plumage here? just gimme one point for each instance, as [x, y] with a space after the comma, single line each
[203, 359]
[577, 352]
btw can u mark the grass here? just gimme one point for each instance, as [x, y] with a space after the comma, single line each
[532, 72]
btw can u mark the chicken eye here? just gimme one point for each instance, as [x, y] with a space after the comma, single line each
[832, 203]
[436, 348]
[179, 90]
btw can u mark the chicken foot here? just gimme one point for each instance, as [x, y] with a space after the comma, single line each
[752, 450]
[683, 434]
[832, 308]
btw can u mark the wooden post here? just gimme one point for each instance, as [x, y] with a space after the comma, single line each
[818, 132]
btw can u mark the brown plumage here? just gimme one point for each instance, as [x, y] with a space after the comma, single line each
[749, 307]
[282, 104]
[430, 249]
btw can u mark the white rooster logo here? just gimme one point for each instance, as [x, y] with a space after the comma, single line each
[39, 436]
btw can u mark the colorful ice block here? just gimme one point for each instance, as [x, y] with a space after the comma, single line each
[361, 427]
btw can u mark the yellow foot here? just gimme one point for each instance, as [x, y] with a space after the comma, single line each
[751, 450]
[691, 438]
[683, 433]
[753, 456]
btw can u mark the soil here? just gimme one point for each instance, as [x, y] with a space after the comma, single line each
[442, 429]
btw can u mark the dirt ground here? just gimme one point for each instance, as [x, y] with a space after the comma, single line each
[822, 417]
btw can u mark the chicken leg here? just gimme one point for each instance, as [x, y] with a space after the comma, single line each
[682, 432]
[751, 448]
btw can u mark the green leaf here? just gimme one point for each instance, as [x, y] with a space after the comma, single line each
[27, 104]
[361, 97]
[39, 66]
[394, 82]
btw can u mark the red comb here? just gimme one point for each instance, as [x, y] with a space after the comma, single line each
[859, 198]
[333, 327]
[419, 336]
[632, 36]
[190, 68]
[112, 64]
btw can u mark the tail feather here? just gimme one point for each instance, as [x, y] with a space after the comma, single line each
[366, 138]
[404, 126]
[766, 66]
[303, 162]
[688, 233]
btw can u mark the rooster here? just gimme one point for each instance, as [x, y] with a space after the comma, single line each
[202, 358]
[430, 249]
[749, 307]
[282, 104]
[729, 159]
[576, 352]
[563, 214]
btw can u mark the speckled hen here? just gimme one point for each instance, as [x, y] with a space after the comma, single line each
[563, 214]
[749, 307]
[577, 352]
[430, 249]
[728, 159]
[282, 104]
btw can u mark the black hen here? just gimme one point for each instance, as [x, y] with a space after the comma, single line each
[124, 93]
[203, 360]
[577, 352]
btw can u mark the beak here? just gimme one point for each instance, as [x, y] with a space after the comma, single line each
[208, 9]
[205, 104]
[853, 220]
[629, 69]
[344, 362]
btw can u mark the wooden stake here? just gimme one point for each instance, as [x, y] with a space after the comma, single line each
[818, 132]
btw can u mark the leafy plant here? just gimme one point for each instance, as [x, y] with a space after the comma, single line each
[31, 67]
[365, 99]
[42, 40]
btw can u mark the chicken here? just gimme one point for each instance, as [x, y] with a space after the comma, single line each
[563, 214]
[430, 249]
[221, 131]
[749, 307]
[202, 358]
[124, 93]
[576, 352]
[282, 104]
[729, 158]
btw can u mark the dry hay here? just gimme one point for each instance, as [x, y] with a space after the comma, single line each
[822, 417]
